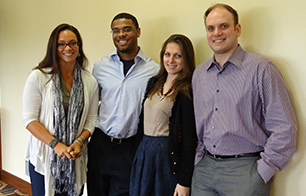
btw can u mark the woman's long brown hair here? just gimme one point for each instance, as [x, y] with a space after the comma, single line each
[51, 60]
[183, 81]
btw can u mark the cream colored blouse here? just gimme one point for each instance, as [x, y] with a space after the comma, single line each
[156, 116]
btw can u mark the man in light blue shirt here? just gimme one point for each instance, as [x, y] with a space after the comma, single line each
[122, 76]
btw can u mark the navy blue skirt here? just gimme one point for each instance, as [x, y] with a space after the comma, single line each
[151, 170]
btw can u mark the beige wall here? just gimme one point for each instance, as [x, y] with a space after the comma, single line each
[276, 29]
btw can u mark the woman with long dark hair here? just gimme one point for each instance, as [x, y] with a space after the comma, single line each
[60, 102]
[164, 160]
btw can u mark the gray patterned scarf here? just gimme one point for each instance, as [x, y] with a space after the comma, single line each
[65, 129]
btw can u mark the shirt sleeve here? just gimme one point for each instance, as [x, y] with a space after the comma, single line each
[199, 151]
[31, 100]
[278, 119]
[200, 145]
[189, 140]
[93, 110]
[95, 74]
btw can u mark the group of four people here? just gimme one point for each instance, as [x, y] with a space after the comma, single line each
[224, 128]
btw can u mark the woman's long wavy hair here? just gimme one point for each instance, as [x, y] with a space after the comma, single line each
[51, 59]
[183, 81]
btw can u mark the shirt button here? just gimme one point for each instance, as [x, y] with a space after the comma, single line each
[214, 146]
[213, 128]
[217, 90]
[216, 109]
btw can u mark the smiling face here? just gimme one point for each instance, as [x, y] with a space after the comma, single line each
[68, 54]
[173, 60]
[222, 34]
[125, 37]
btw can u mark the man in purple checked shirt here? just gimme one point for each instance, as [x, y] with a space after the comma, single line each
[245, 120]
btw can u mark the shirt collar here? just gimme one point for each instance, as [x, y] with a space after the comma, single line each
[140, 55]
[236, 58]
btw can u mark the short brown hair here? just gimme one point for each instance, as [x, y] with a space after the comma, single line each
[227, 7]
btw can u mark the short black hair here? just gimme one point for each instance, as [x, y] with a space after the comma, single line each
[126, 16]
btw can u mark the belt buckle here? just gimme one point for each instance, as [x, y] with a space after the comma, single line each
[112, 140]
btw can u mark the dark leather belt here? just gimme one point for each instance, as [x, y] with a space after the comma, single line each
[255, 154]
[112, 139]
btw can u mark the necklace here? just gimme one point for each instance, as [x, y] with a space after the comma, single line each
[161, 97]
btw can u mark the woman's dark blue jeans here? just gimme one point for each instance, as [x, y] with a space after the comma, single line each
[38, 183]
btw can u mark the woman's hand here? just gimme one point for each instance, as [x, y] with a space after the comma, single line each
[181, 191]
[75, 150]
[62, 150]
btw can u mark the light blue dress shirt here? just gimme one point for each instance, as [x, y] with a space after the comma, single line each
[121, 96]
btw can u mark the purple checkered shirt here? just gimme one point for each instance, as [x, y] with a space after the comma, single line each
[243, 108]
